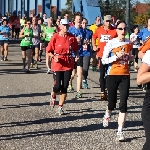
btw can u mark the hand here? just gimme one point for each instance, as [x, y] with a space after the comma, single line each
[140, 54]
[76, 58]
[95, 48]
[120, 54]
[78, 39]
[56, 58]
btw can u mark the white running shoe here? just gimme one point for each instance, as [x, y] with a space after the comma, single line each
[120, 137]
[106, 121]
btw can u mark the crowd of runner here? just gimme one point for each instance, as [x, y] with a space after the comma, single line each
[70, 48]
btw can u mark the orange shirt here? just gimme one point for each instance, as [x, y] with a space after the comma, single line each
[117, 66]
[103, 37]
[62, 48]
[145, 46]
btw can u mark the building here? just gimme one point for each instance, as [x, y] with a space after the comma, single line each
[142, 8]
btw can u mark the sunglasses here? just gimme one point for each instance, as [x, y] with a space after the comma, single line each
[122, 29]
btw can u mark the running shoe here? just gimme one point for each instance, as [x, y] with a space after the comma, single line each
[106, 121]
[94, 68]
[36, 66]
[5, 59]
[78, 95]
[52, 100]
[60, 111]
[85, 84]
[2, 58]
[48, 71]
[120, 137]
[31, 66]
[70, 89]
[103, 96]
[40, 59]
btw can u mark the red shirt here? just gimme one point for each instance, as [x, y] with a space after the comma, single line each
[17, 23]
[63, 48]
[103, 37]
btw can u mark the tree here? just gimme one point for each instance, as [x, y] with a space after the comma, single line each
[141, 19]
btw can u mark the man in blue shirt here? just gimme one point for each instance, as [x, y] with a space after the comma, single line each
[78, 32]
[4, 39]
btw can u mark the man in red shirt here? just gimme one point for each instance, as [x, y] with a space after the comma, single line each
[60, 49]
[104, 34]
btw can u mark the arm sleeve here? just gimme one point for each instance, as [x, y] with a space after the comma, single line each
[106, 59]
[146, 58]
[140, 34]
[75, 45]
[51, 45]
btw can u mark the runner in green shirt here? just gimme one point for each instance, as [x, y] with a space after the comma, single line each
[40, 22]
[48, 33]
[26, 43]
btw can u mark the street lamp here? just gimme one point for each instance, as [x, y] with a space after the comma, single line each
[128, 14]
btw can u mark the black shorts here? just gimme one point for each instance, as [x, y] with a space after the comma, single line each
[135, 51]
[24, 48]
[78, 63]
[17, 30]
[42, 41]
[36, 46]
[46, 43]
[2, 42]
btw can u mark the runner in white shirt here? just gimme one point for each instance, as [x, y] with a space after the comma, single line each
[136, 44]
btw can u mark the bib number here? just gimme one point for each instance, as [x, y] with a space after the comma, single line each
[104, 38]
[27, 39]
[49, 35]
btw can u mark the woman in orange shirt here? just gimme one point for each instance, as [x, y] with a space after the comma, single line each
[117, 54]
[60, 49]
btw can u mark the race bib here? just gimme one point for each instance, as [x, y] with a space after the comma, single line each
[27, 39]
[85, 47]
[35, 33]
[123, 60]
[49, 35]
[104, 38]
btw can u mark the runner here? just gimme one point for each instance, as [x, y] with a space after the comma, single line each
[36, 41]
[26, 45]
[4, 39]
[60, 50]
[78, 32]
[143, 77]
[117, 54]
[136, 44]
[17, 28]
[104, 34]
[86, 52]
[93, 28]
[40, 22]
[49, 31]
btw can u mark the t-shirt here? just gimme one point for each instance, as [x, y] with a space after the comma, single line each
[6, 29]
[17, 23]
[62, 47]
[45, 21]
[78, 33]
[136, 43]
[117, 66]
[143, 34]
[93, 28]
[87, 48]
[103, 37]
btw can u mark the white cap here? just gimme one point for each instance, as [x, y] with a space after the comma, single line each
[64, 21]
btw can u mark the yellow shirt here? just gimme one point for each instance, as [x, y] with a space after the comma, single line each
[22, 21]
[93, 28]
